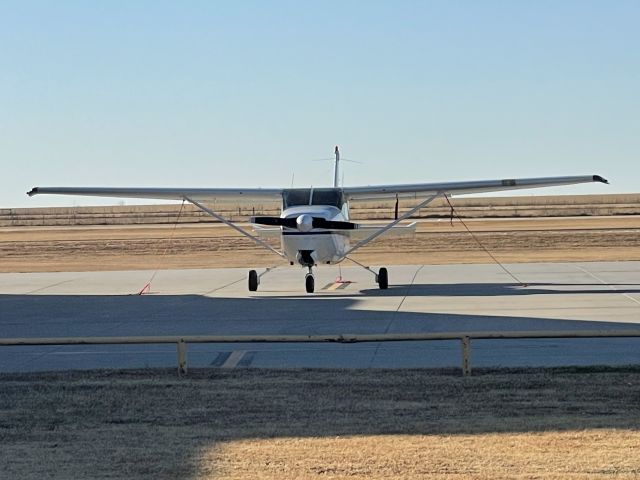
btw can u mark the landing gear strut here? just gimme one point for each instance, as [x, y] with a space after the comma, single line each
[382, 277]
[254, 278]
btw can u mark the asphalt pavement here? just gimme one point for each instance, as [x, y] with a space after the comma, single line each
[420, 298]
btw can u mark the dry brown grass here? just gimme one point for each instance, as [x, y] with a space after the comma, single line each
[546, 424]
[587, 454]
[30, 249]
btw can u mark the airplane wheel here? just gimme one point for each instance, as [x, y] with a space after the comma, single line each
[253, 280]
[383, 279]
[309, 283]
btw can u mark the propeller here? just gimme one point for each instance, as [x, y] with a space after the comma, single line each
[304, 223]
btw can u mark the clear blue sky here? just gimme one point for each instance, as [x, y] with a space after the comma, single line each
[246, 93]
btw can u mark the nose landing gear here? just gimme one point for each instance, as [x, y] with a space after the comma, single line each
[309, 281]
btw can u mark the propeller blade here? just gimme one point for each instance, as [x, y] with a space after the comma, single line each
[319, 222]
[274, 221]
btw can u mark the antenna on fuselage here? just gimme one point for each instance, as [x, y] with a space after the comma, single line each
[336, 168]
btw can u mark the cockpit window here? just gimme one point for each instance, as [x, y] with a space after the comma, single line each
[321, 196]
[294, 198]
[328, 196]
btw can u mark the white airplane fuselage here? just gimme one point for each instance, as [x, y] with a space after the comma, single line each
[306, 245]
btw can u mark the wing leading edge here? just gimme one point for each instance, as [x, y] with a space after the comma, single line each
[421, 190]
[199, 194]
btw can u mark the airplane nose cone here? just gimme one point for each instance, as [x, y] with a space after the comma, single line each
[304, 223]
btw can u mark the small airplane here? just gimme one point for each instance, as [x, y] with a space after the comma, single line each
[314, 224]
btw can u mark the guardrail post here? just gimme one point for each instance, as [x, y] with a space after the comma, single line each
[466, 356]
[182, 357]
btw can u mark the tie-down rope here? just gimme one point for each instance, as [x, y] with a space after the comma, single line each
[455, 212]
[147, 287]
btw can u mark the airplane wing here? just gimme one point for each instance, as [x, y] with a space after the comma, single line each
[425, 192]
[198, 194]
[418, 190]
[421, 190]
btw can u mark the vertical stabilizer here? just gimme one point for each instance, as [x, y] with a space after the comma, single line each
[336, 171]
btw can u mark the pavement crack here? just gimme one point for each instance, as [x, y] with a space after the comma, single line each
[47, 287]
[613, 288]
[395, 313]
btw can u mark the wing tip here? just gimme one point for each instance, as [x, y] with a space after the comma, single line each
[598, 178]
[33, 191]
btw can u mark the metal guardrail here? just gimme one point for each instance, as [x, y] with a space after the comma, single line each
[182, 341]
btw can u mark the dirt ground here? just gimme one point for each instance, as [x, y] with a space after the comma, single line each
[211, 245]
[336, 424]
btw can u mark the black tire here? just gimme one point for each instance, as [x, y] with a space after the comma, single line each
[309, 283]
[253, 280]
[383, 279]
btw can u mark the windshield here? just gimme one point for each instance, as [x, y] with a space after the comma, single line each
[321, 196]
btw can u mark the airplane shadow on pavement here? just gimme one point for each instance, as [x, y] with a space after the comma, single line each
[502, 289]
[324, 313]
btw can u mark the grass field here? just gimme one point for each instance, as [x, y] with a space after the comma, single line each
[131, 247]
[514, 229]
[269, 424]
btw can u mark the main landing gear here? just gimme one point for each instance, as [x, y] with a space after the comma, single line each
[381, 276]
[383, 279]
[254, 278]
[254, 281]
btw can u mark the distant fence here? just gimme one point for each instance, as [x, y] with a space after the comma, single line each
[182, 341]
[478, 207]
